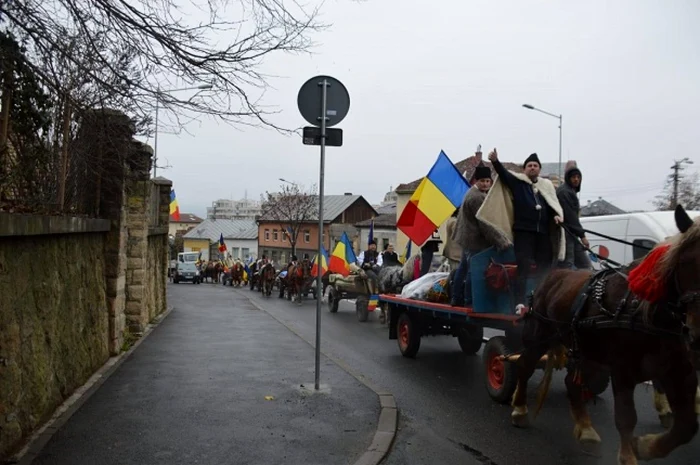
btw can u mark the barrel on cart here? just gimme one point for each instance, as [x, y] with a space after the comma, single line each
[410, 320]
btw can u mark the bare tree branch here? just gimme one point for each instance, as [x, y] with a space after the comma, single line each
[291, 208]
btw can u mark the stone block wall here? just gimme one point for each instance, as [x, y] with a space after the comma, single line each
[54, 319]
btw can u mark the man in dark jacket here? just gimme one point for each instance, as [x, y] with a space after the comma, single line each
[534, 213]
[576, 256]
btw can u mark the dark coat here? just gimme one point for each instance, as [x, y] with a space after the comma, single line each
[570, 204]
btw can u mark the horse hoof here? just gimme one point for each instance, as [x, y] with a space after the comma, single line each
[666, 420]
[591, 447]
[519, 420]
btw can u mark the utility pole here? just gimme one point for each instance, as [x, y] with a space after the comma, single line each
[675, 177]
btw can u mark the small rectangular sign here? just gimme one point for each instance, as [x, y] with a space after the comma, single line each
[312, 136]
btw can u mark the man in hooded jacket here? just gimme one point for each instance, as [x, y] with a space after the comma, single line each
[576, 256]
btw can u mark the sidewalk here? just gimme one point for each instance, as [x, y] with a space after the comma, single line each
[219, 382]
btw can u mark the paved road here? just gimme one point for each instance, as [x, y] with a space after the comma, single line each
[446, 414]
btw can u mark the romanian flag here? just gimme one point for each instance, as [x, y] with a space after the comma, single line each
[439, 194]
[174, 207]
[373, 303]
[342, 257]
[222, 244]
[406, 252]
[371, 233]
[324, 263]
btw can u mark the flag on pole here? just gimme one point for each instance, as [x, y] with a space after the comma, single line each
[324, 263]
[222, 244]
[371, 233]
[406, 253]
[174, 206]
[342, 257]
[439, 194]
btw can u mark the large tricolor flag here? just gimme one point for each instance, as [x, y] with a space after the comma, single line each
[222, 244]
[342, 257]
[436, 198]
[174, 207]
[324, 263]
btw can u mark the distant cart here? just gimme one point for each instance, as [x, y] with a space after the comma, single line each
[412, 319]
[354, 286]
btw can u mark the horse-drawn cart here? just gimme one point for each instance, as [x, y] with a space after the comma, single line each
[412, 319]
[354, 286]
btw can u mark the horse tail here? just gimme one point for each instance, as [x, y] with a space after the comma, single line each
[556, 358]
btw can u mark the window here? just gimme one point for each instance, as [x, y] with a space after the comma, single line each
[307, 236]
[641, 250]
[275, 235]
[284, 236]
[267, 234]
[274, 256]
[245, 253]
[234, 252]
[385, 243]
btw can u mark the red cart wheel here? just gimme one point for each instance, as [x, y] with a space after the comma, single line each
[501, 377]
[408, 336]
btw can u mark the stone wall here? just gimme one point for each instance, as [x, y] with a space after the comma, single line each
[53, 323]
[71, 288]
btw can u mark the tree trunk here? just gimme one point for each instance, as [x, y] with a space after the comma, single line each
[294, 246]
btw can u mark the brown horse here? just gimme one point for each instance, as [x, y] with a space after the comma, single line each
[267, 279]
[297, 279]
[602, 322]
[236, 274]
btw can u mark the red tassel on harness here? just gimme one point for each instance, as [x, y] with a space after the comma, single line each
[645, 281]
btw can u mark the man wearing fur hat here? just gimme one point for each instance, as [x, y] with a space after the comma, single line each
[567, 194]
[525, 208]
[472, 235]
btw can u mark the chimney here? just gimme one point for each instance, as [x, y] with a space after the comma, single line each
[477, 154]
[348, 193]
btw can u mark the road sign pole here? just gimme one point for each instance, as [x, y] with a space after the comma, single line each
[319, 282]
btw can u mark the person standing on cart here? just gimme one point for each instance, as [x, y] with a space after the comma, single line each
[390, 257]
[473, 235]
[531, 219]
[567, 193]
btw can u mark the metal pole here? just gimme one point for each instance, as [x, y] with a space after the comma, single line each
[561, 181]
[155, 142]
[319, 283]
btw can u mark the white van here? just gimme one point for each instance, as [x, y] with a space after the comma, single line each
[645, 229]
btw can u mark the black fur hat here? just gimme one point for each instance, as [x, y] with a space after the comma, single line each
[482, 172]
[534, 158]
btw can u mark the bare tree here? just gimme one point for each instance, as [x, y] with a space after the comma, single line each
[292, 207]
[688, 194]
[166, 48]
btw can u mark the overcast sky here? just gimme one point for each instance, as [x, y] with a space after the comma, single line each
[425, 76]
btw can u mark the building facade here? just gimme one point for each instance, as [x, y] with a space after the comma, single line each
[187, 221]
[226, 209]
[240, 237]
[340, 213]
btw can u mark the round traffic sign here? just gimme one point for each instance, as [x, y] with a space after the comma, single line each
[309, 101]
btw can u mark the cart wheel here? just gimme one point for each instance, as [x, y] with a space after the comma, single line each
[409, 336]
[333, 300]
[361, 310]
[470, 338]
[501, 376]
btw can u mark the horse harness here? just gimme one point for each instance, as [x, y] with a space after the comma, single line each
[626, 315]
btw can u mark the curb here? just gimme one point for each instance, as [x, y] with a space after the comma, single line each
[388, 414]
[63, 412]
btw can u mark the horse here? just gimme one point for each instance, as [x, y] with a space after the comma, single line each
[639, 326]
[266, 279]
[392, 279]
[297, 277]
[236, 274]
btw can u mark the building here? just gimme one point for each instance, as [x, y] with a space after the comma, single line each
[225, 209]
[467, 167]
[384, 231]
[600, 207]
[340, 214]
[187, 221]
[240, 237]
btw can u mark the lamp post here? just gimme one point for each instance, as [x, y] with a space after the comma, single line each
[530, 107]
[155, 142]
[288, 182]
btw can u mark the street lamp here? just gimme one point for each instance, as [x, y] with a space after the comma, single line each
[155, 142]
[288, 182]
[530, 107]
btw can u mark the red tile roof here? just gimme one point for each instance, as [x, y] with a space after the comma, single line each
[186, 218]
